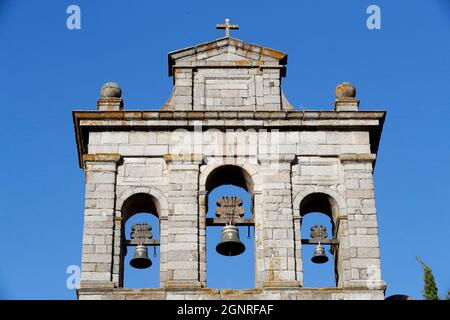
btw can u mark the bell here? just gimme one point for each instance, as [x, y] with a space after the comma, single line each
[319, 255]
[141, 259]
[230, 244]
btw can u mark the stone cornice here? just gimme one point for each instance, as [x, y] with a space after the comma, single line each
[129, 115]
[358, 157]
[124, 120]
[101, 157]
[226, 64]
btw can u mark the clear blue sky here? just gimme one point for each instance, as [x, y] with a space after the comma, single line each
[46, 71]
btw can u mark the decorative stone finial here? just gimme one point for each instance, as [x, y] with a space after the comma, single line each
[110, 97]
[346, 98]
[111, 90]
[345, 90]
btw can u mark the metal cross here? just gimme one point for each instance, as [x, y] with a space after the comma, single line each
[318, 232]
[230, 208]
[141, 232]
[227, 26]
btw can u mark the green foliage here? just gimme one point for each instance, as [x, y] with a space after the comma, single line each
[430, 290]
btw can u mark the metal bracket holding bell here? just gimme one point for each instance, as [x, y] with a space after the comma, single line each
[319, 237]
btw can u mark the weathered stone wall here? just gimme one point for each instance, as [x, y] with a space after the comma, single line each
[239, 142]
[227, 75]
[98, 237]
[283, 167]
[232, 89]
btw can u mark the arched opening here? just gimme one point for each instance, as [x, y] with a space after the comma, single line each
[229, 175]
[233, 272]
[318, 210]
[140, 209]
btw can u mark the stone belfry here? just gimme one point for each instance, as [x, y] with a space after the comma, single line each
[228, 122]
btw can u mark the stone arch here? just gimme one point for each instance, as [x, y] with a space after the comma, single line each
[248, 169]
[161, 208]
[162, 205]
[337, 210]
[340, 203]
[251, 176]
[249, 181]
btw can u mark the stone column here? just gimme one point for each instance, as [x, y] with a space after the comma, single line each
[163, 234]
[298, 248]
[183, 223]
[118, 251]
[98, 241]
[182, 94]
[202, 199]
[342, 256]
[271, 88]
[362, 225]
[277, 223]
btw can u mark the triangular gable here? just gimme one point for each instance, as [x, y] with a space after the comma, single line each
[226, 49]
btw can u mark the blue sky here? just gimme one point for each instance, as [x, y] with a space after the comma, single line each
[46, 71]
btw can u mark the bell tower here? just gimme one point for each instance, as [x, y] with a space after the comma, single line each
[228, 122]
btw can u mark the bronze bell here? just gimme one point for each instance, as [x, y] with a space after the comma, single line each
[319, 255]
[230, 244]
[141, 259]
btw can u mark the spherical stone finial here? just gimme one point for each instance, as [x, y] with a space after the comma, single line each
[345, 90]
[111, 90]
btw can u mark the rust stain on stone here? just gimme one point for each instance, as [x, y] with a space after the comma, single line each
[243, 63]
[273, 53]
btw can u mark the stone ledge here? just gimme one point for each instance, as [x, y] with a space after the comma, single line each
[191, 158]
[225, 64]
[357, 157]
[273, 293]
[101, 157]
[269, 158]
[182, 285]
[201, 115]
[281, 284]
[96, 285]
[363, 284]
